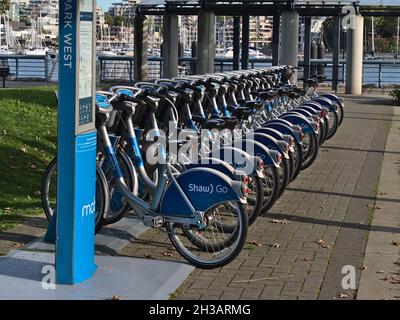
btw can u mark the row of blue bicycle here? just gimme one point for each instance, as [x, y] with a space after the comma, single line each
[201, 157]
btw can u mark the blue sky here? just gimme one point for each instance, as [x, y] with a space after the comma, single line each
[105, 3]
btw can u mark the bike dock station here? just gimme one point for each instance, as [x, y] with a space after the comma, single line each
[114, 263]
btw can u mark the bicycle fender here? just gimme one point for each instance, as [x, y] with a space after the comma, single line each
[311, 109]
[284, 129]
[203, 187]
[325, 102]
[302, 112]
[235, 155]
[216, 164]
[270, 142]
[274, 133]
[301, 121]
[333, 98]
[261, 151]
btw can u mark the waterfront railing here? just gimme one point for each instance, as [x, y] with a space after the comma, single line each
[121, 68]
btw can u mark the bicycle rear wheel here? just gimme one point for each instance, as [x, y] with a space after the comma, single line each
[212, 247]
[49, 194]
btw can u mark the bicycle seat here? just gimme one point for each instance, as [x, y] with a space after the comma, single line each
[250, 104]
[294, 95]
[240, 112]
[267, 95]
[209, 123]
[300, 91]
[311, 82]
[103, 106]
[230, 122]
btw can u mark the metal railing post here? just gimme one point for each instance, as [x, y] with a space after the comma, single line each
[380, 76]
[130, 70]
[46, 67]
[16, 68]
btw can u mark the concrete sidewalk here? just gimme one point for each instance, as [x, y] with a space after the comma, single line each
[380, 278]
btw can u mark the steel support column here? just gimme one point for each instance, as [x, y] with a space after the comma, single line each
[336, 53]
[290, 40]
[140, 47]
[206, 42]
[354, 63]
[307, 47]
[245, 41]
[236, 42]
[276, 39]
[170, 45]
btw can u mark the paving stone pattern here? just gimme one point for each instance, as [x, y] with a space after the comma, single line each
[328, 209]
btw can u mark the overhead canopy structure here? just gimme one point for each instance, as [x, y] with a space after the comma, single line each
[269, 7]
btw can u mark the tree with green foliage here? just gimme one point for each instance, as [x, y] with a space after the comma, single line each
[118, 21]
[385, 32]
[109, 19]
[4, 6]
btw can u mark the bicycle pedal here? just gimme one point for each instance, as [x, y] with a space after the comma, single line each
[158, 222]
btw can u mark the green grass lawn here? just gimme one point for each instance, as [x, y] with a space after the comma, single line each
[28, 123]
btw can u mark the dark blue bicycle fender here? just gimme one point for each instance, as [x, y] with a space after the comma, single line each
[300, 121]
[272, 132]
[204, 188]
[269, 142]
[303, 112]
[280, 120]
[232, 152]
[216, 164]
[260, 150]
[325, 103]
[312, 109]
[332, 97]
[283, 128]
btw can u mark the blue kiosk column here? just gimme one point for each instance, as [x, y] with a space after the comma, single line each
[76, 142]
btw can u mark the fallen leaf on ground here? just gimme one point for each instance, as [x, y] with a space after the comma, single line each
[168, 254]
[392, 279]
[373, 206]
[256, 243]
[276, 245]
[284, 221]
[380, 271]
[343, 295]
[396, 243]
[306, 259]
[363, 268]
[323, 244]
[115, 298]
[147, 255]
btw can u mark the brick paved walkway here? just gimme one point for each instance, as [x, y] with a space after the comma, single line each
[328, 209]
